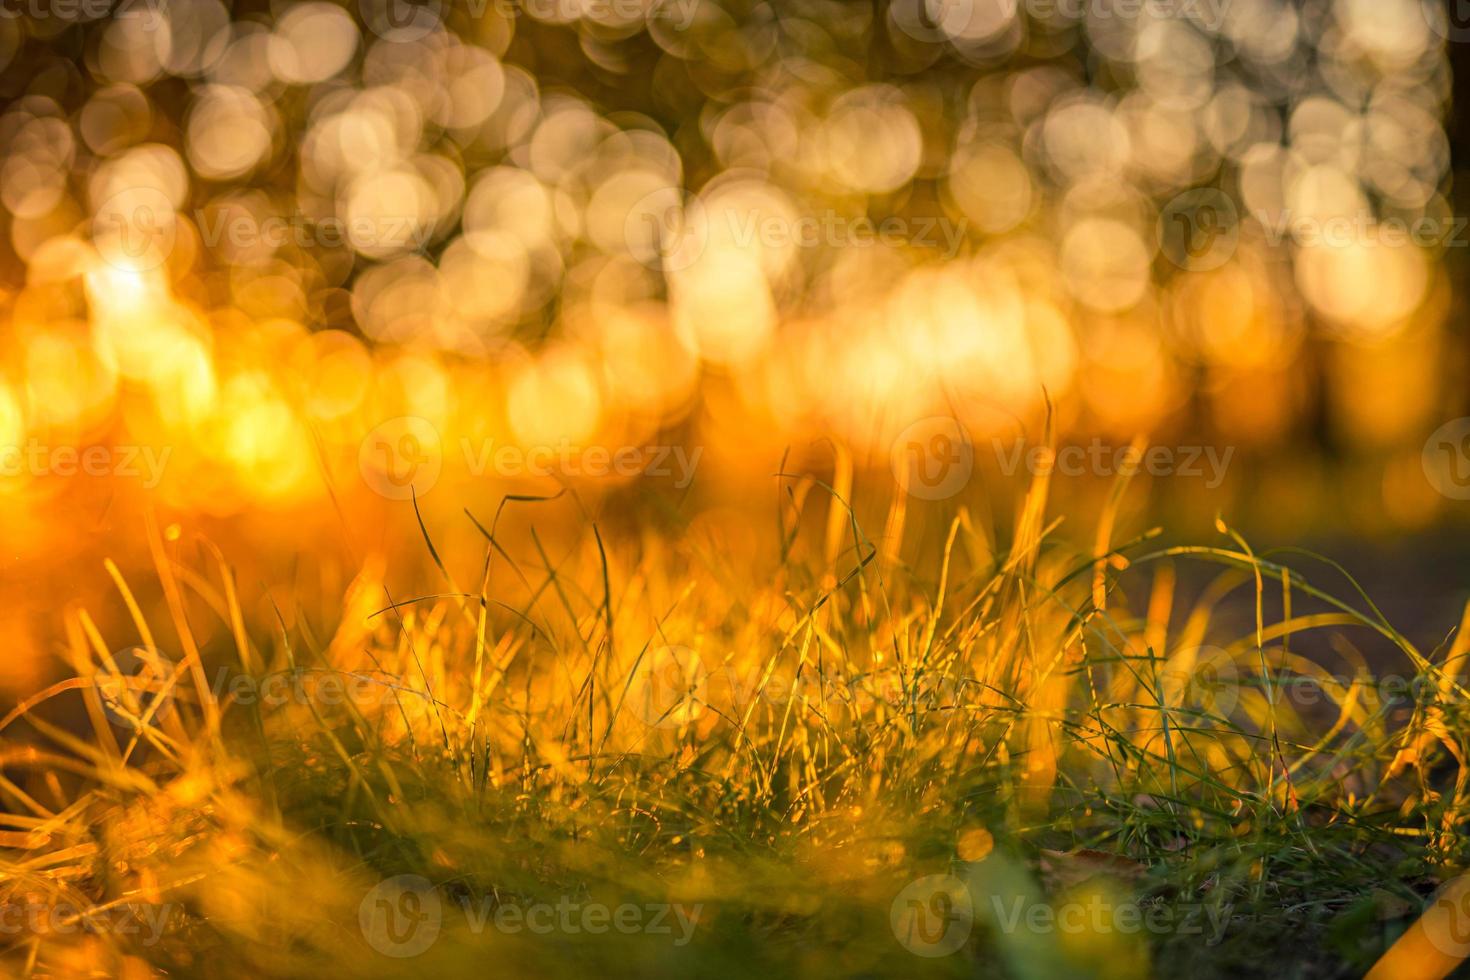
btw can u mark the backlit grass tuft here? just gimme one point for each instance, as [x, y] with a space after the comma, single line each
[949, 748]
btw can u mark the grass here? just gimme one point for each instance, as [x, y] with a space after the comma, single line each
[808, 751]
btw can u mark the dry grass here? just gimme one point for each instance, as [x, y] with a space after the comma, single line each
[774, 732]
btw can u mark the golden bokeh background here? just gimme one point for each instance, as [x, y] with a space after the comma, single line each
[283, 262]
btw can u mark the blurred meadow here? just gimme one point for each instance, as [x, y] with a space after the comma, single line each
[955, 487]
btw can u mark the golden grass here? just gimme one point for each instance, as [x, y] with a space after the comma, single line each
[771, 736]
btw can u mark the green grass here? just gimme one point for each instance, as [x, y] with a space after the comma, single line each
[1044, 723]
